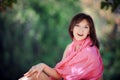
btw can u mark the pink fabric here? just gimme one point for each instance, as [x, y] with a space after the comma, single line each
[83, 63]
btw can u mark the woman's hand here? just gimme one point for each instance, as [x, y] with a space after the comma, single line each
[42, 71]
[37, 69]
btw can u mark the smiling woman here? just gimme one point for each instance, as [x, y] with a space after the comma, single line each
[81, 59]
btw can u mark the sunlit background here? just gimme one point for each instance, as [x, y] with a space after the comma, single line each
[35, 31]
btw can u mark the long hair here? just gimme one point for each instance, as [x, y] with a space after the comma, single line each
[78, 18]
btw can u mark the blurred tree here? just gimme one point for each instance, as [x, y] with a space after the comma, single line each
[4, 4]
[114, 4]
[33, 31]
[111, 50]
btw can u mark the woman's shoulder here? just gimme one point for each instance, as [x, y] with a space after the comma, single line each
[68, 45]
[91, 50]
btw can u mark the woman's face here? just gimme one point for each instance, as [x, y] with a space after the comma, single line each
[81, 30]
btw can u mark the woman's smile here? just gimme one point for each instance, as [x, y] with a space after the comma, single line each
[80, 34]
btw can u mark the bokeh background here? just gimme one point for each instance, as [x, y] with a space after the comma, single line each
[35, 31]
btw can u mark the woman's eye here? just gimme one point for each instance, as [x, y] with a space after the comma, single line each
[86, 27]
[77, 25]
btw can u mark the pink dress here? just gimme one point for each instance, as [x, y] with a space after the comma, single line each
[84, 63]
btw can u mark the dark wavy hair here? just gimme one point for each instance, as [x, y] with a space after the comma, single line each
[78, 18]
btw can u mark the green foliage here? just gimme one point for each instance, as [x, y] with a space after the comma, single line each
[111, 58]
[34, 31]
[111, 48]
[114, 4]
[4, 4]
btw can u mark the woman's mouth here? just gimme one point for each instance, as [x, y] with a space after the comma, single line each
[80, 34]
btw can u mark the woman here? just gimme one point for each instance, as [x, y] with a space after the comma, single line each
[81, 59]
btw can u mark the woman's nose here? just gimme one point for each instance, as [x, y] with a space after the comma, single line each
[80, 30]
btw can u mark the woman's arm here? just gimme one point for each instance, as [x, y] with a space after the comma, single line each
[51, 72]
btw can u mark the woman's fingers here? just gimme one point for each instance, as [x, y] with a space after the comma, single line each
[31, 70]
[37, 69]
[26, 73]
[29, 73]
[38, 74]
